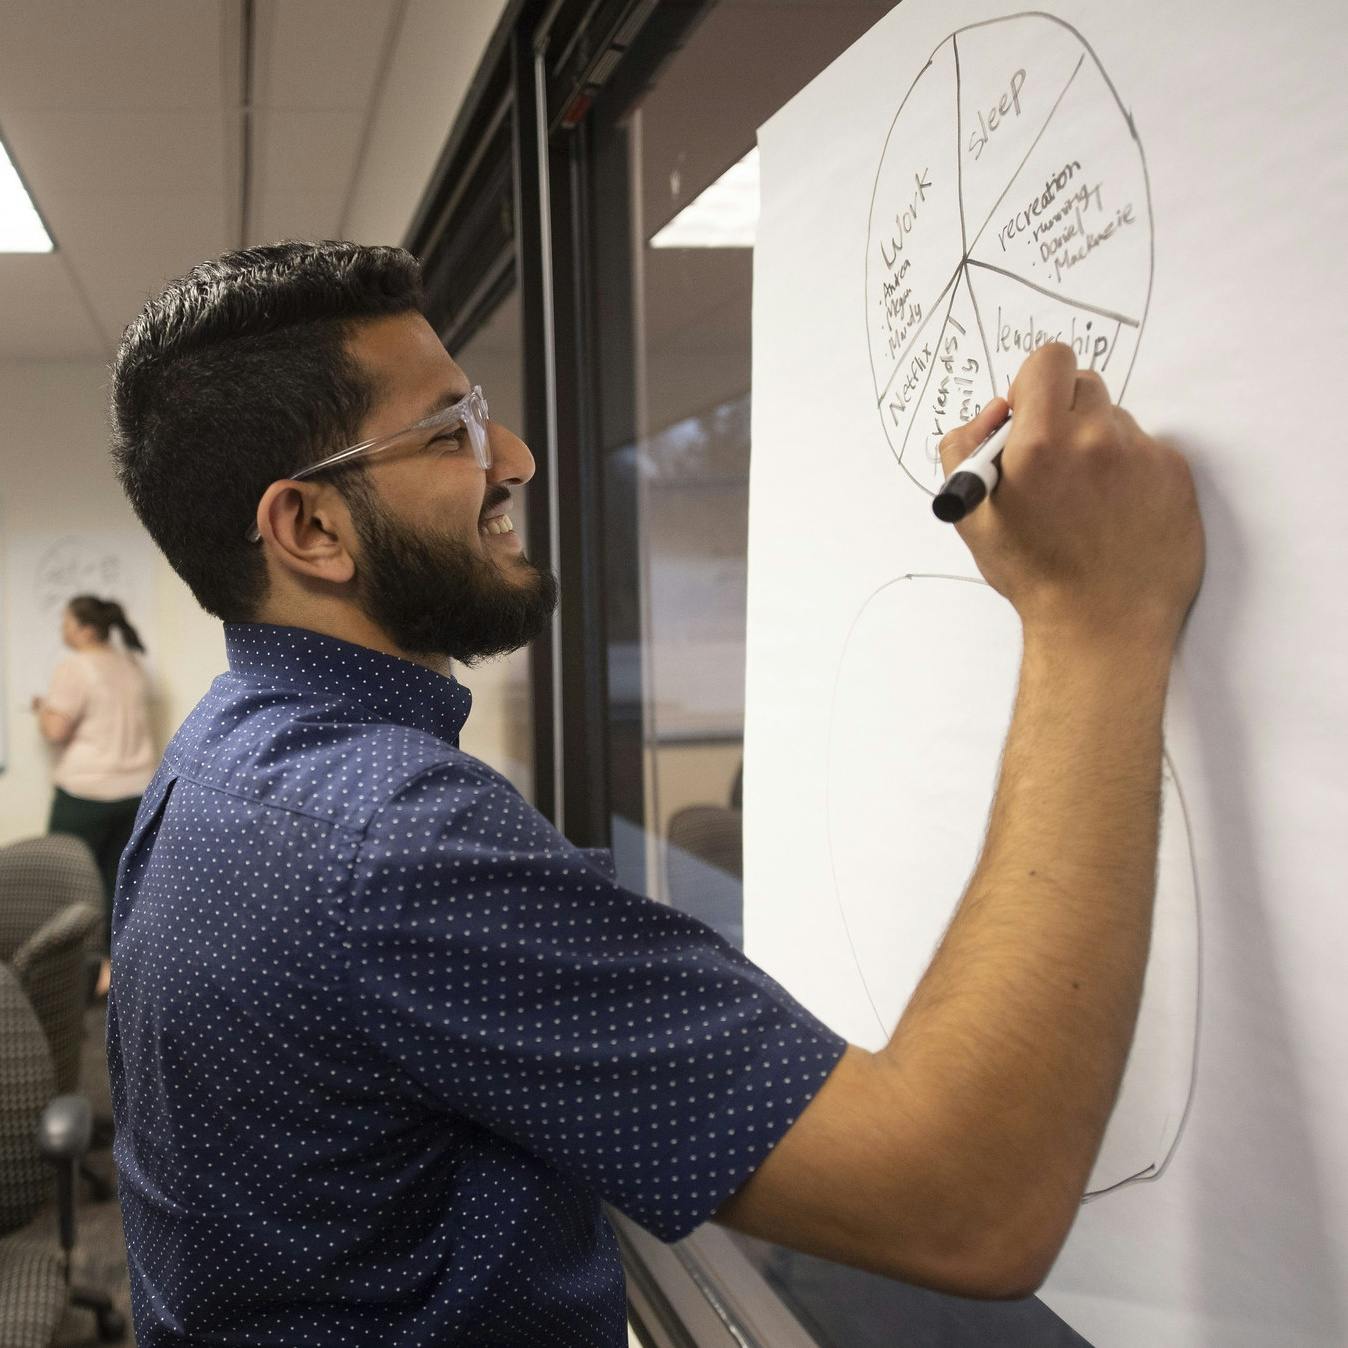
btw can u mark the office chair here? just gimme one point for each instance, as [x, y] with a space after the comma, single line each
[42, 1138]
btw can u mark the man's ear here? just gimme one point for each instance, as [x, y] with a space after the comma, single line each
[307, 528]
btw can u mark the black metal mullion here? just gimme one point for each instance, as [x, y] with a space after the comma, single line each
[606, 65]
[585, 728]
[613, 393]
[529, 271]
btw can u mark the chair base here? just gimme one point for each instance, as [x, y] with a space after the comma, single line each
[102, 1190]
[111, 1322]
[104, 1132]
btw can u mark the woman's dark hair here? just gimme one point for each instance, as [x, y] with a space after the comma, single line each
[233, 377]
[103, 615]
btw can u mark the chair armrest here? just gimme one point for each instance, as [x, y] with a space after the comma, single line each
[65, 1129]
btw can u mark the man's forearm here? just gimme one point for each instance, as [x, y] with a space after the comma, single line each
[1017, 1036]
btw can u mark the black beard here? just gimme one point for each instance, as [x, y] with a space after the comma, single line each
[433, 594]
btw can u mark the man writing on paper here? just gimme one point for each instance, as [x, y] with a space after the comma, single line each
[382, 1040]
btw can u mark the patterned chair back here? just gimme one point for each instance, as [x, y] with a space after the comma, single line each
[704, 866]
[51, 969]
[40, 877]
[27, 1083]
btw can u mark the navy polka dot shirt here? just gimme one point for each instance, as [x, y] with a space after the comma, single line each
[382, 1041]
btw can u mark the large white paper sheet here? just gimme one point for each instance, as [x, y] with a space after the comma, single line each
[1162, 188]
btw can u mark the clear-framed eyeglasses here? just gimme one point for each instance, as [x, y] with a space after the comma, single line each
[458, 429]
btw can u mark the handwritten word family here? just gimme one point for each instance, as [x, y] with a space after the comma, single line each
[958, 394]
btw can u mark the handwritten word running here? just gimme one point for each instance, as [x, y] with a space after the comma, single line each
[1025, 217]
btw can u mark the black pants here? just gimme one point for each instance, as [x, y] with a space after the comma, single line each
[105, 825]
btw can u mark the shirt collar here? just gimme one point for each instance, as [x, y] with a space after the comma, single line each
[388, 688]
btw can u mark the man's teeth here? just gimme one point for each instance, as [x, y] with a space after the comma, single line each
[500, 525]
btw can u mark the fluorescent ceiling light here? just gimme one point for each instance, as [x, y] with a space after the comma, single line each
[724, 216]
[21, 228]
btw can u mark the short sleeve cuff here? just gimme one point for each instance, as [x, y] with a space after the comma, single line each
[750, 1116]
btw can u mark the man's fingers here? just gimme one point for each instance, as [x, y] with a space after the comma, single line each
[1132, 431]
[963, 440]
[1045, 386]
[1089, 393]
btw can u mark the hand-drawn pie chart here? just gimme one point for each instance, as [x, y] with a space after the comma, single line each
[1011, 209]
[904, 834]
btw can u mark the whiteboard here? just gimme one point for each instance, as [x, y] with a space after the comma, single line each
[1161, 188]
[46, 569]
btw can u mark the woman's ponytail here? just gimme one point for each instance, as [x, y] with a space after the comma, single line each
[116, 618]
[103, 615]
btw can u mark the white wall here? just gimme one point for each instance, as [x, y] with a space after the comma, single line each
[56, 477]
[431, 65]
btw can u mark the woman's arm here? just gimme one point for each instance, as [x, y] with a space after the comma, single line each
[55, 727]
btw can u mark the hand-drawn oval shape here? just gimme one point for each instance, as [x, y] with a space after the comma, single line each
[901, 857]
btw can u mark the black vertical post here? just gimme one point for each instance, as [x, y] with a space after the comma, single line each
[618, 451]
[529, 272]
[584, 520]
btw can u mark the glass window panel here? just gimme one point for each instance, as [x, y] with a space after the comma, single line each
[500, 728]
[690, 176]
[684, 468]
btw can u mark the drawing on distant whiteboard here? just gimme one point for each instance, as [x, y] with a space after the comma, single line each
[1011, 208]
[901, 857]
[54, 569]
[73, 566]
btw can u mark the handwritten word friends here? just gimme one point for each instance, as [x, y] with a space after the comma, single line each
[956, 399]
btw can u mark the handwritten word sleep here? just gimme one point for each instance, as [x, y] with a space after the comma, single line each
[1009, 102]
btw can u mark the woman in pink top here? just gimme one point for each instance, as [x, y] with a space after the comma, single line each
[97, 712]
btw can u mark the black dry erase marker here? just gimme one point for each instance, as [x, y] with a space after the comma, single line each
[974, 479]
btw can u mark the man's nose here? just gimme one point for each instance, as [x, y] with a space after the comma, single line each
[510, 457]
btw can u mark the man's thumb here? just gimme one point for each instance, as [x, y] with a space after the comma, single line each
[961, 442]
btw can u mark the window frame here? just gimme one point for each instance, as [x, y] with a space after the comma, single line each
[559, 73]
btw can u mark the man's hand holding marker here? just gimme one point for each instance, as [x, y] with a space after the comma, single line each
[1093, 527]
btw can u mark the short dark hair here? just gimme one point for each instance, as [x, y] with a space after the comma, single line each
[234, 376]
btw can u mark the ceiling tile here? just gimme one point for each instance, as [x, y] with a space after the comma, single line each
[116, 152]
[440, 43]
[297, 215]
[305, 151]
[126, 249]
[131, 54]
[320, 53]
[126, 120]
[45, 318]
